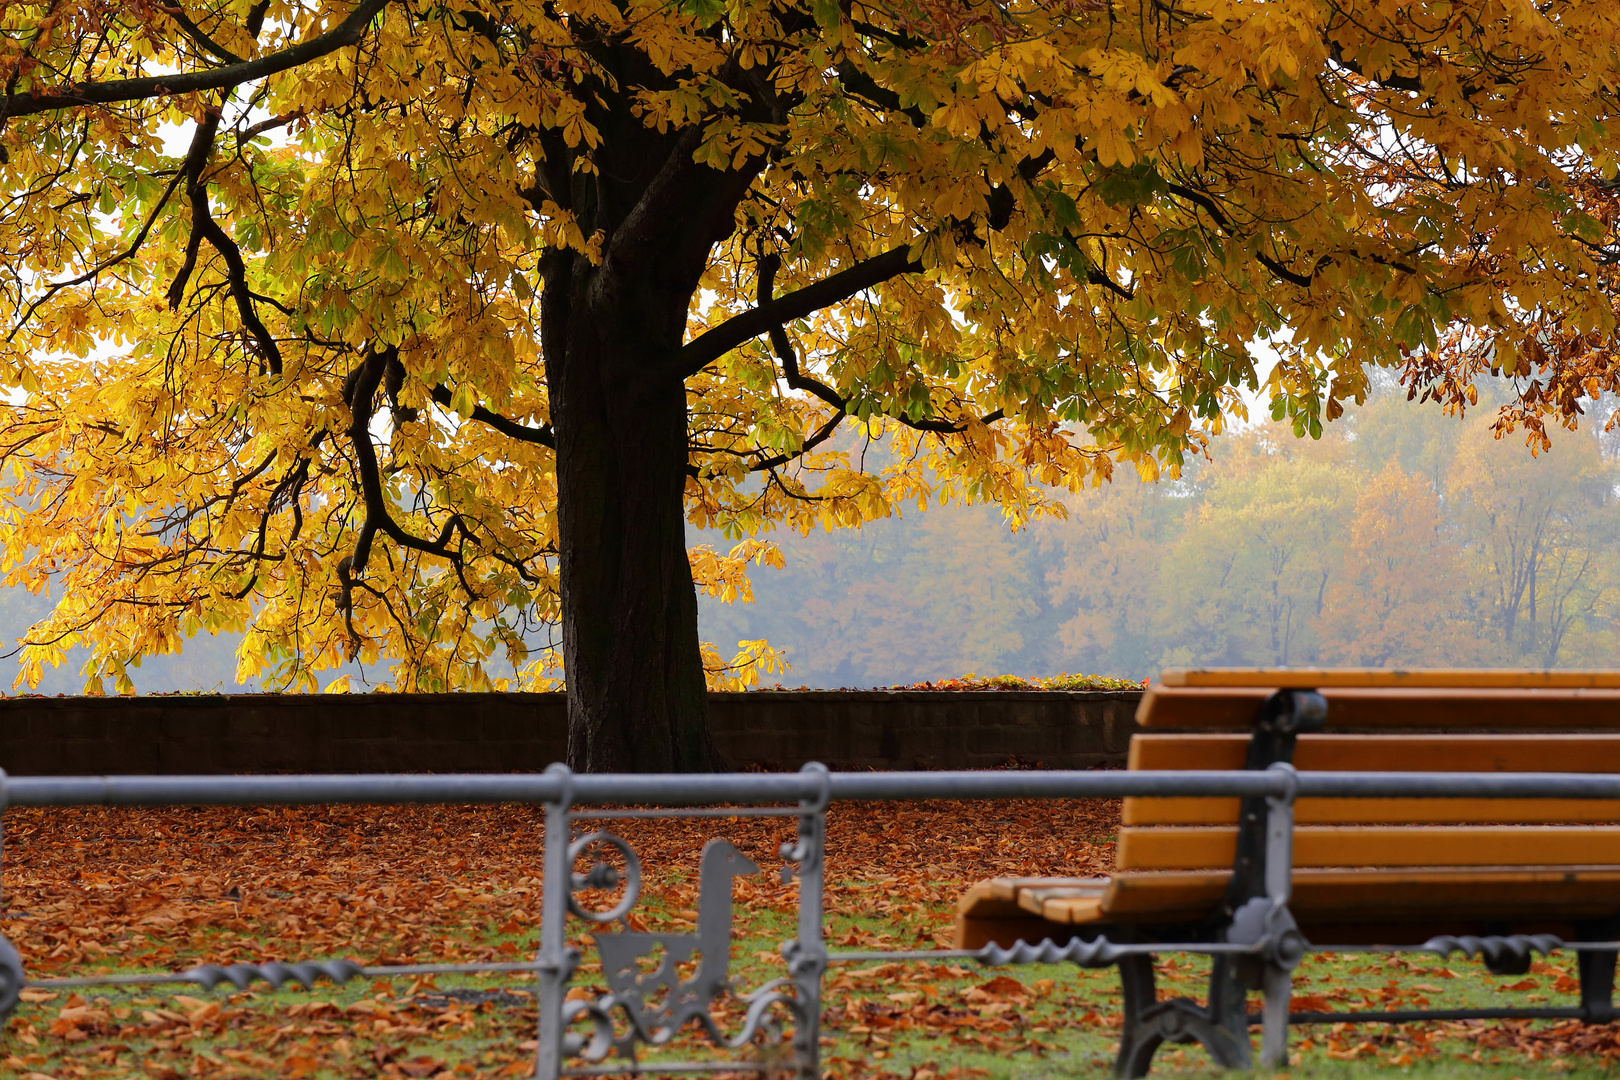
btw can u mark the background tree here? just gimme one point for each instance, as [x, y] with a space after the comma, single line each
[1103, 578]
[1396, 595]
[1131, 579]
[1543, 533]
[1256, 554]
[524, 288]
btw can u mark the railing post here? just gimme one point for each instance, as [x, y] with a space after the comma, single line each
[807, 955]
[555, 960]
[12, 978]
[5, 801]
[1284, 944]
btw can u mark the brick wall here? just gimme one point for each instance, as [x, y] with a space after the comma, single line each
[508, 732]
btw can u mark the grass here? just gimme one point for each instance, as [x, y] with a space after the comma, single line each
[461, 886]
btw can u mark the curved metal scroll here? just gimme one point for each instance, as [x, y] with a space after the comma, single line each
[240, 975]
[663, 981]
[1505, 955]
[1180, 1020]
[1099, 952]
[1219, 1026]
[603, 876]
[604, 1039]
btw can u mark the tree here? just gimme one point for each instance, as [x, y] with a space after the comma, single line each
[519, 289]
[1106, 580]
[1247, 578]
[1544, 532]
[1397, 593]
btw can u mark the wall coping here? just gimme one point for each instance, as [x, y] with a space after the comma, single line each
[499, 732]
[124, 701]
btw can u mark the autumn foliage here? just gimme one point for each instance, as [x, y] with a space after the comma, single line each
[420, 333]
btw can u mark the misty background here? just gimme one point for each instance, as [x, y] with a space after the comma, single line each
[1403, 537]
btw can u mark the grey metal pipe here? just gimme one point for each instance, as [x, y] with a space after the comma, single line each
[1466, 785]
[624, 788]
[262, 790]
[755, 788]
[1058, 784]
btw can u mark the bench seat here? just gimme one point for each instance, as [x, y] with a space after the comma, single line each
[1373, 871]
[1403, 905]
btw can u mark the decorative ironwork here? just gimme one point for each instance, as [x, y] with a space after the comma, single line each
[304, 974]
[603, 876]
[1504, 955]
[664, 999]
[662, 982]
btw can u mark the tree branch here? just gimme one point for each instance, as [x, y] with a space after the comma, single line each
[345, 33]
[203, 225]
[127, 253]
[200, 36]
[1214, 211]
[766, 276]
[710, 346]
[1409, 83]
[821, 435]
[543, 435]
[361, 390]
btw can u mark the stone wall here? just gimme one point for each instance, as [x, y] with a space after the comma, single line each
[517, 732]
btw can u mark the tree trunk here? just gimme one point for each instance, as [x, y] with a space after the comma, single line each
[610, 330]
[636, 693]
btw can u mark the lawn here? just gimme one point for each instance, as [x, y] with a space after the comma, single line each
[115, 890]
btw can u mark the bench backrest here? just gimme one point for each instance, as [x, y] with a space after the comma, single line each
[1195, 833]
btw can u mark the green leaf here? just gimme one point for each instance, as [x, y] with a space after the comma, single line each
[1129, 187]
[707, 12]
[464, 401]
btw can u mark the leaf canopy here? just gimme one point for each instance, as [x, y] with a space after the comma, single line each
[274, 272]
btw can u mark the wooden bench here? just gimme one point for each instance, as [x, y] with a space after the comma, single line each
[1386, 871]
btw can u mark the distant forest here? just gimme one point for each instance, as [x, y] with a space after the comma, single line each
[1402, 537]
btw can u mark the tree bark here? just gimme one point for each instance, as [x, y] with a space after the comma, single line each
[636, 691]
[611, 332]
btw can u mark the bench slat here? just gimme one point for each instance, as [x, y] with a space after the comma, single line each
[1336, 906]
[1011, 888]
[1589, 752]
[1373, 896]
[1384, 708]
[1380, 845]
[1191, 811]
[1551, 752]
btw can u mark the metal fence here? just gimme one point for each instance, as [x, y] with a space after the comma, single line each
[647, 1009]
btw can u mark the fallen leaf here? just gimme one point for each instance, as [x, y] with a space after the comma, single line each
[1004, 986]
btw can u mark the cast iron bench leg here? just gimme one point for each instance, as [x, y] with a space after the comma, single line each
[1596, 970]
[1136, 1041]
[1222, 1028]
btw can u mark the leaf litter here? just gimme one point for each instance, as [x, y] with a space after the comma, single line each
[98, 890]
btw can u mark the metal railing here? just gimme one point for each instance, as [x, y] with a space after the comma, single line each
[649, 1008]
